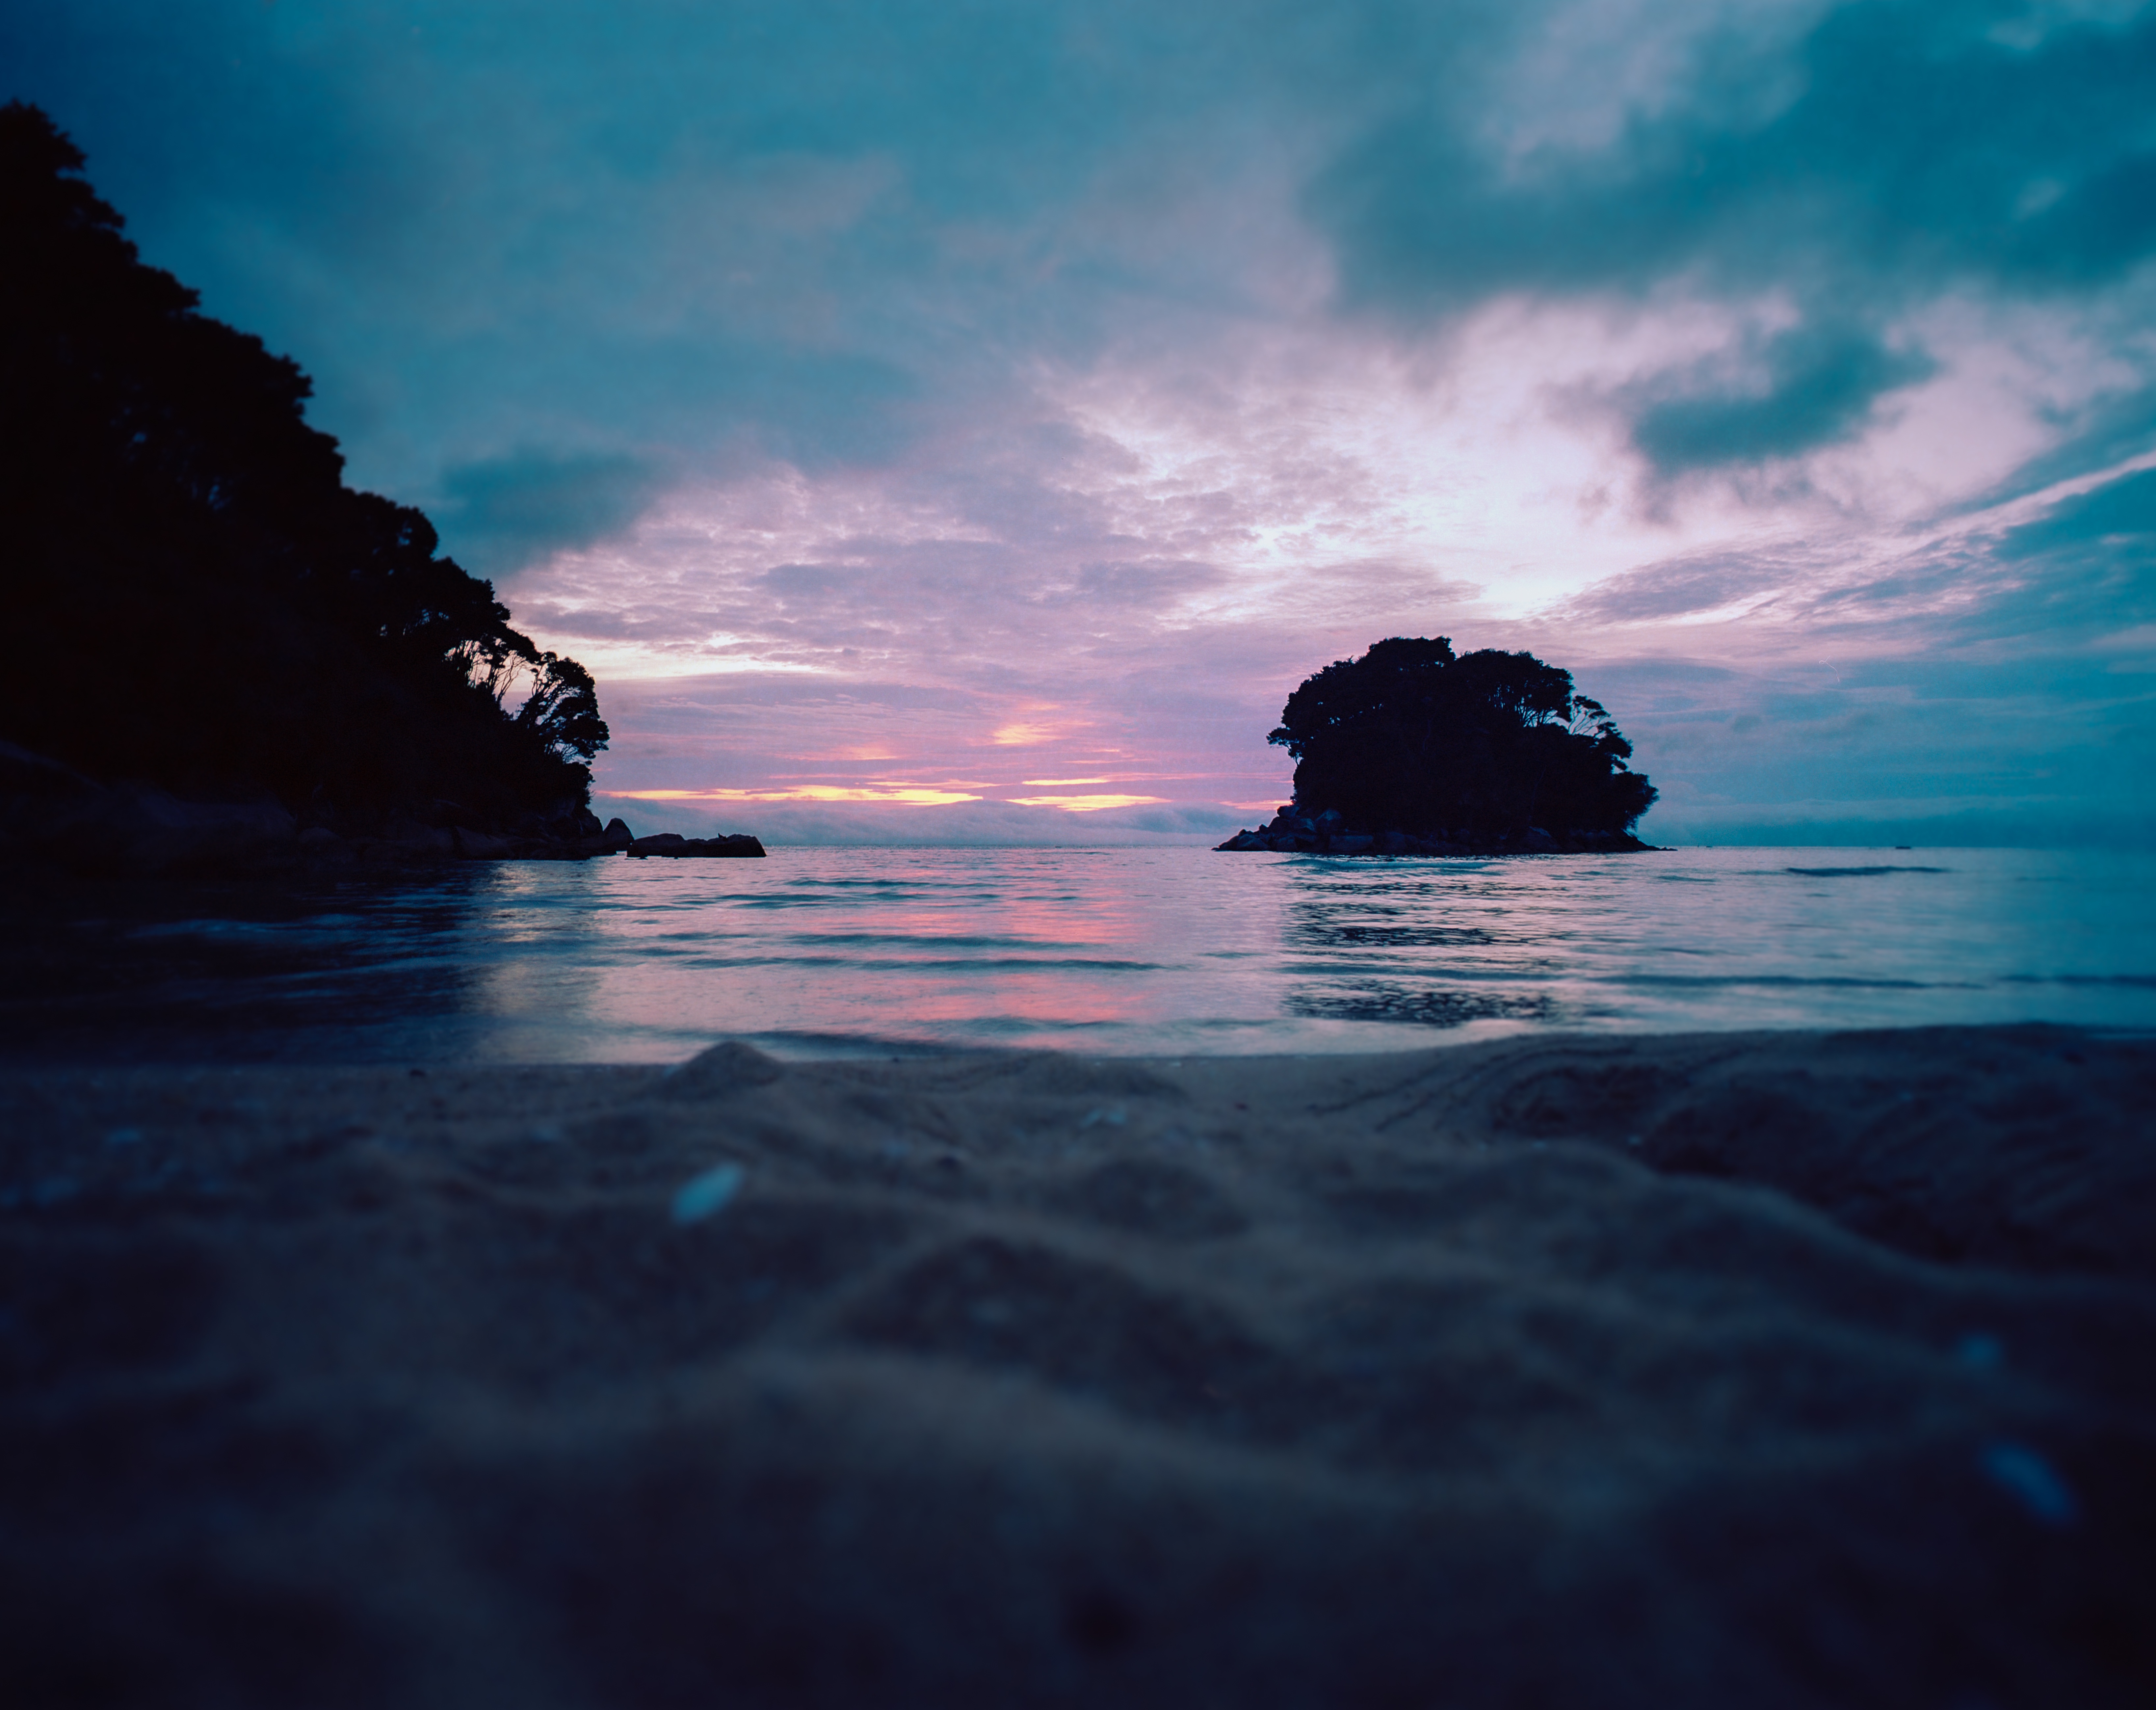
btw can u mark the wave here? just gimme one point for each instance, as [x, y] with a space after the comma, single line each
[1859, 872]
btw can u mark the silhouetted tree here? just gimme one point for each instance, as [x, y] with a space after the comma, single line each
[194, 598]
[1409, 738]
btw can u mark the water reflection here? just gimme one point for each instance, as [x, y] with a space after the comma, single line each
[1418, 944]
[1387, 1001]
[1167, 951]
[210, 971]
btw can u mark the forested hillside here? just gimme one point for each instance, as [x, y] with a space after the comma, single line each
[194, 598]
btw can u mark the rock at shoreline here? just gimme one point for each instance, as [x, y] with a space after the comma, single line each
[52, 816]
[1292, 831]
[674, 846]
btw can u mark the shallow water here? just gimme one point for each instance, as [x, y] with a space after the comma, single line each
[817, 950]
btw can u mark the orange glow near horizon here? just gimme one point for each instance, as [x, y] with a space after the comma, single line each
[1085, 804]
[906, 795]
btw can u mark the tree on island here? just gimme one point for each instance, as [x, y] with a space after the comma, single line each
[1483, 749]
[195, 599]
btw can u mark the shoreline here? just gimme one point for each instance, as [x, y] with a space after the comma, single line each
[1781, 1368]
[1294, 831]
[55, 821]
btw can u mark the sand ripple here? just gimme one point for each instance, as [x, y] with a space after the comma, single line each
[1775, 1369]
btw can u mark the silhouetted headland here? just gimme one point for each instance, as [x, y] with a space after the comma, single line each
[223, 656]
[1411, 750]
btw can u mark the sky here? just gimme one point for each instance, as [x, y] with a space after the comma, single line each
[956, 422]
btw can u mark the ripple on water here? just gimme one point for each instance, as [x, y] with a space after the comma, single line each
[1136, 951]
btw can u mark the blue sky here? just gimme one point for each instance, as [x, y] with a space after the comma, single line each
[965, 421]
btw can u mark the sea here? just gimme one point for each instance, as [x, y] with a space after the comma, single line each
[822, 952]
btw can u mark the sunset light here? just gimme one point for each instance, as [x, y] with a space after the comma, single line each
[1237, 853]
[908, 795]
[1084, 804]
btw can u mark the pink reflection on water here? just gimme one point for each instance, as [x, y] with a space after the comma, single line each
[1176, 951]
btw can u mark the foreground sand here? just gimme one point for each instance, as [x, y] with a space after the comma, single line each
[1759, 1370]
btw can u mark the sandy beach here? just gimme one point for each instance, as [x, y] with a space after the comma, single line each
[1751, 1369]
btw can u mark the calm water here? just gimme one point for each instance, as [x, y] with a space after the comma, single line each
[1169, 950]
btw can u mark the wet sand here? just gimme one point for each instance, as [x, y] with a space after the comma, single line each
[1763, 1369]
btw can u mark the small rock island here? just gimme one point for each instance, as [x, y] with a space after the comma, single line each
[1414, 750]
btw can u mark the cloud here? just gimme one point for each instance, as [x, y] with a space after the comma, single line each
[1088, 804]
[1886, 147]
[1818, 385]
[510, 511]
[850, 384]
[1846, 173]
[965, 825]
[903, 794]
[1709, 582]
[2123, 510]
[1993, 750]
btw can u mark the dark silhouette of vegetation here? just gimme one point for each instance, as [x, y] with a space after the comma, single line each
[194, 598]
[1480, 748]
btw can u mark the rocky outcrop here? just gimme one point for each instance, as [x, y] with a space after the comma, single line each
[51, 815]
[675, 847]
[54, 818]
[571, 833]
[1294, 831]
